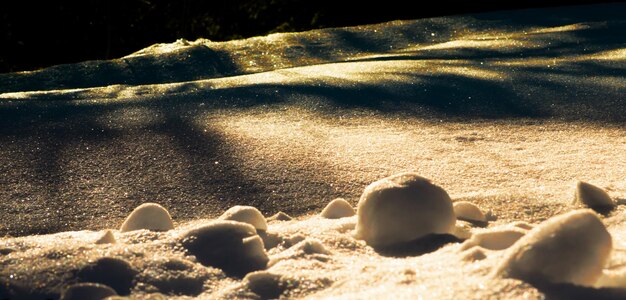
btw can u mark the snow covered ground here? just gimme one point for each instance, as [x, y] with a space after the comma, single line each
[507, 111]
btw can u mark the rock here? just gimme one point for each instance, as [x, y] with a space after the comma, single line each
[403, 208]
[150, 216]
[468, 211]
[246, 214]
[592, 196]
[114, 272]
[338, 208]
[568, 248]
[87, 290]
[231, 246]
[106, 238]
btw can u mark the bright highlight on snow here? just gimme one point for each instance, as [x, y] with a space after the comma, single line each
[150, 216]
[338, 208]
[246, 214]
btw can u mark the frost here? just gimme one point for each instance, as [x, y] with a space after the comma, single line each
[246, 214]
[149, 216]
[569, 248]
[338, 208]
[402, 208]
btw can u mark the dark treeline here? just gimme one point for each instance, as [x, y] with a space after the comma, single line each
[36, 34]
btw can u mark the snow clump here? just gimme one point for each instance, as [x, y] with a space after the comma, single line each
[468, 211]
[280, 216]
[592, 196]
[494, 240]
[114, 272]
[231, 246]
[149, 216]
[87, 290]
[246, 214]
[106, 238]
[338, 208]
[568, 248]
[402, 208]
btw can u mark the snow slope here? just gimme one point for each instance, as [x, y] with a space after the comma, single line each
[508, 111]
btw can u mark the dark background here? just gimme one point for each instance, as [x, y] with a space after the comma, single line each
[36, 34]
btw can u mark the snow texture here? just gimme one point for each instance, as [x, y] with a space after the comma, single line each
[150, 216]
[468, 211]
[231, 246]
[338, 208]
[246, 214]
[570, 248]
[592, 196]
[82, 291]
[402, 208]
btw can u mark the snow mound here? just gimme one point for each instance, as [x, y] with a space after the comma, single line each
[592, 196]
[246, 214]
[338, 208]
[468, 211]
[280, 216]
[522, 225]
[402, 208]
[88, 290]
[265, 284]
[114, 272]
[568, 248]
[473, 254]
[494, 240]
[231, 246]
[307, 247]
[106, 238]
[149, 216]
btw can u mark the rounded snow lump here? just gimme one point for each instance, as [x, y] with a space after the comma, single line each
[468, 211]
[231, 246]
[402, 208]
[114, 272]
[338, 208]
[106, 238]
[568, 248]
[592, 196]
[87, 290]
[149, 216]
[246, 214]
